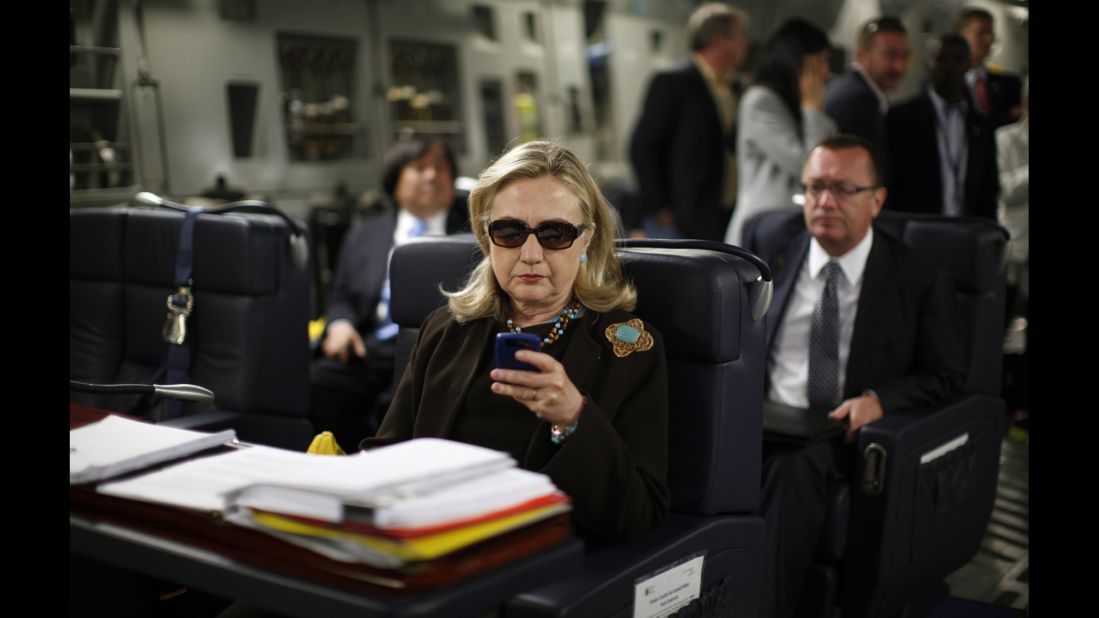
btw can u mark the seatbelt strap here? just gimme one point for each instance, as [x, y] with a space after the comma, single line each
[180, 305]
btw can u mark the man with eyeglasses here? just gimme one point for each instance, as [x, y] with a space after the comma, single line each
[858, 100]
[942, 151]
[859, 327]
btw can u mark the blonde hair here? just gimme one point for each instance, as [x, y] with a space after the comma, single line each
[599, 283]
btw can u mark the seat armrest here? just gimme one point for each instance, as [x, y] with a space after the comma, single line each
[605, 585]
[916, 424]
[929, 478]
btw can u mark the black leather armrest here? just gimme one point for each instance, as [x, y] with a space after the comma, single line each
[929, 478]
[605, 585]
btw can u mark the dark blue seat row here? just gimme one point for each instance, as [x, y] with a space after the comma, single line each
[899, 529]
[247, 331]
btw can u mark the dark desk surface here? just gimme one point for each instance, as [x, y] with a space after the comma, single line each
[196, 560]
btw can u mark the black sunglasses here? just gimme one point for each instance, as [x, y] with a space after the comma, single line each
[555, 235]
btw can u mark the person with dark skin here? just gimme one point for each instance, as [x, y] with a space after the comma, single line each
[942, 151]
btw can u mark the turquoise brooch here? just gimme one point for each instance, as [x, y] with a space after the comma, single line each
[629, 337]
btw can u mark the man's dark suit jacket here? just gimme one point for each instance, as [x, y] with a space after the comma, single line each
[915, 177]
[1005, 91]
[614, 466]
[906, 343]
[854, 106]
[361, 272]
[678, 153]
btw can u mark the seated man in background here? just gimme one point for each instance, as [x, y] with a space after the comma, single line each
[860, 327]
[356, 361]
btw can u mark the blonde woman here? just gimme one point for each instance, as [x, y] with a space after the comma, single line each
[593, 416]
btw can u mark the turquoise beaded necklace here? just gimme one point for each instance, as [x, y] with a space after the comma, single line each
[560, 323]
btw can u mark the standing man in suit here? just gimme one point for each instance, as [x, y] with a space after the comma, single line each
[997, 95]
[858, 100]
[682, 147]
[858, 329]
[942, 151]
[356, 361]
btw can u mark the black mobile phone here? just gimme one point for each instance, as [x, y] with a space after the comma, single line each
[507, 344]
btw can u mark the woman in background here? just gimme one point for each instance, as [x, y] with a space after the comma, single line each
[780, 119]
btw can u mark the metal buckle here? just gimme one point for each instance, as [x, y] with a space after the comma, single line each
[180, 305]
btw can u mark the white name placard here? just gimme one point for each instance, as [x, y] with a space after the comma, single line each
[669, 589]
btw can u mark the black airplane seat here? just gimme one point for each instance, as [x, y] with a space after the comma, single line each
[236, 280]
[714, 339]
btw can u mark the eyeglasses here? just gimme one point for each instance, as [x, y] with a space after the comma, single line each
[555, 235]
[840, 190]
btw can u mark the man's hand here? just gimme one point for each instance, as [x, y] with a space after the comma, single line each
[342, 339]
[858, 411]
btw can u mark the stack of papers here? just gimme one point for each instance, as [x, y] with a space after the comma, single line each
[117, 445]
[409, 502]
[388, 507]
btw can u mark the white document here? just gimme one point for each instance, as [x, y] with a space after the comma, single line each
[202, 483]
[117, 445]
[313, 485]
[667, 591]
[372, 479]
[484, 494]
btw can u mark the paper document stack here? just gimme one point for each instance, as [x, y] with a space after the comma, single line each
[117, 445]
[393, 506]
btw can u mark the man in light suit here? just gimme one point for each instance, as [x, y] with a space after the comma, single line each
[942, 151]
[858, 100]
[355, 364]
[897, 343]
[682, 147]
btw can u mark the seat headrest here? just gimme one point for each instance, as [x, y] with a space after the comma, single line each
[423, 266]
[969, 248]
[228, 252]
[684, 292]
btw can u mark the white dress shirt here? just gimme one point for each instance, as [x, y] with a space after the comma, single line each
[406, 222]
[402, 233]
[953, 150]
[788, 364]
